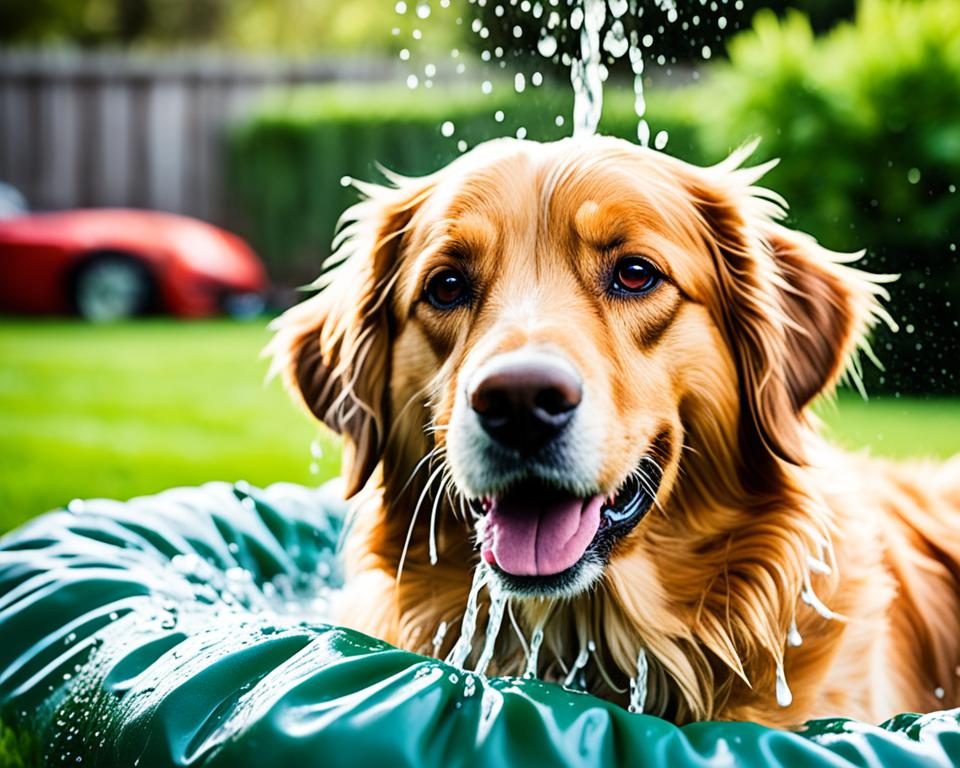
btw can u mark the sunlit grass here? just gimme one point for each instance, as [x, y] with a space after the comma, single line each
[132, 409]
[898, 427]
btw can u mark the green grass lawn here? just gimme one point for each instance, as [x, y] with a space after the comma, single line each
[124, 410]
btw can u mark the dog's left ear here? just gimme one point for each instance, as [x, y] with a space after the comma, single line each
[334, 348]
[829, 308]
[793, 312]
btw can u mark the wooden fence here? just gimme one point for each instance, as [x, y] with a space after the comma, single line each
[84, 129]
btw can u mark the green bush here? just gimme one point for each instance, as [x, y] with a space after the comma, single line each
[288, 161]
[866, 121]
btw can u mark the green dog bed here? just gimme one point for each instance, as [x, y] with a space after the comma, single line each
[180, 630]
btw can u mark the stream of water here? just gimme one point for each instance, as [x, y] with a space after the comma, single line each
[606, 31]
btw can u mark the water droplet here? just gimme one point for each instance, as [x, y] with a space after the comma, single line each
[793, 635]
[486, 87]
[615, 43]
[547, 46]
[536, 79]
[519, 82]
[558, 121]
[400, 7]
[462, 146]
[430, 70]
[784, 696]
[498, 115]
[521, 132]
[412, 81]
[404, 54]
[618, 7]
[423, 11]
[643, 133]
[660, 140]
[447, 128]
[706, 52]
[913, 175]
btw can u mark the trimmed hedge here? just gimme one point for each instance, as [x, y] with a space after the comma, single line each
[288, 161]
[866, 121]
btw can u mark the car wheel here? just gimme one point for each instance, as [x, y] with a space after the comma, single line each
[243, 306]
[111, 288]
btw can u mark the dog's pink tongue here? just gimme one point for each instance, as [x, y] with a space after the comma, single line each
[540, 537]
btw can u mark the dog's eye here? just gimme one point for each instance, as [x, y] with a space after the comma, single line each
[446, 289]
[635, 276]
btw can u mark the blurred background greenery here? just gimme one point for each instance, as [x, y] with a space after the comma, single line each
[861, 103]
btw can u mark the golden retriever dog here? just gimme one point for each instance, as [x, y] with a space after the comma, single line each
[584, 370]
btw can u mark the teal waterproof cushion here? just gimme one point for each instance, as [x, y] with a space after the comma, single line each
[180, 630]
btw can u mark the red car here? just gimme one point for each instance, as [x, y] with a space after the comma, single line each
[107, 264]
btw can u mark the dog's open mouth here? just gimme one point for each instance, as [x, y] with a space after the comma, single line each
[538, 537]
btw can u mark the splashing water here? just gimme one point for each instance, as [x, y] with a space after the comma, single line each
[579, 663]
[498, 602]
[585, 72]
[439, 638]
[588, 73]
[600, 27]
[810, 598]
[468, 627]
[533, 657]
[638, 684]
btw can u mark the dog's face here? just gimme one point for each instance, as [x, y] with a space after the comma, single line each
[580, 331]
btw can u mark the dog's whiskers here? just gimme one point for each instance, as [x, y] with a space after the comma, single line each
[413, 520]
[435, 452]
[646, 483]
[445, 481]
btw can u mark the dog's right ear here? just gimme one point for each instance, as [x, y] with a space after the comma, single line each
[334, 348]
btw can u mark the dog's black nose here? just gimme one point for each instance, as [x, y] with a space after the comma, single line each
[524, 401]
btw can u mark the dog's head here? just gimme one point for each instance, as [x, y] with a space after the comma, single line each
[578, 331]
